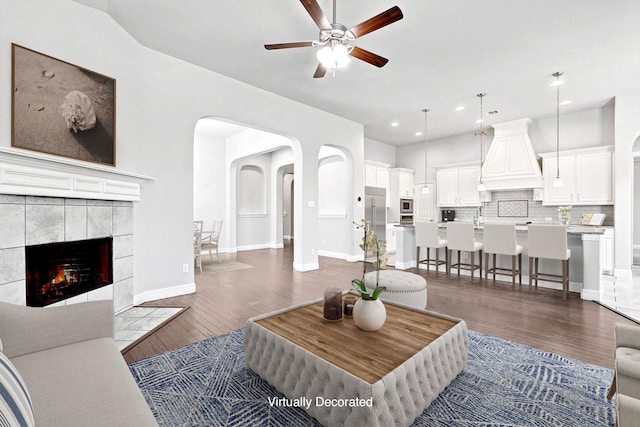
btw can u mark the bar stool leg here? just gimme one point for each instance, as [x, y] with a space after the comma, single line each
[513, 271]
[480, 253]
[520, 269]
[536, 261]
[458, 263]
[437, 259]
[418, 258]
[448, 262]
[428, 257]
[486, 270]
[473, 265]
[565, 279]
[494, 267]
[530, 271]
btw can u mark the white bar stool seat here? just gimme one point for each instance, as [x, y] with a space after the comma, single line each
[427, 236]
[500, 239]
[550, 242]
[461, 237]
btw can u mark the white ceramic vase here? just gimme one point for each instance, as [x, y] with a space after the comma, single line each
[369, 315]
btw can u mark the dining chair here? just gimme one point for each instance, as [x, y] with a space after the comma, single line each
[197, 244]
[210, 238]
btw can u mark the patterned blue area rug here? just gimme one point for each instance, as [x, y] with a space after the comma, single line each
[503, 384]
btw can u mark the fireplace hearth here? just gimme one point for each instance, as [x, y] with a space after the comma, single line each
[58, 271]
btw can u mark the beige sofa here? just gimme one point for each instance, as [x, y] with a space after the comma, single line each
[71, 365]
[627, 375]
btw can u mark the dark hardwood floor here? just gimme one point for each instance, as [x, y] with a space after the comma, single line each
[539, 318]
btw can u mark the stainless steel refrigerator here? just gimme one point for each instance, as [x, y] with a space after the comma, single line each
[375, 210]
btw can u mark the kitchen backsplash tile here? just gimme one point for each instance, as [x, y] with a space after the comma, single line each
[537, 213]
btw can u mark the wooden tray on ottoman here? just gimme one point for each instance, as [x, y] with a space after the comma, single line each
[342, 375]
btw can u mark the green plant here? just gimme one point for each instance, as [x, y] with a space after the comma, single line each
[378, 248]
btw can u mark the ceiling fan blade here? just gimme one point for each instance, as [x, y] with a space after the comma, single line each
[287, 45]
[320, 71]
[370, 57]
[316, 14]
[381, 20]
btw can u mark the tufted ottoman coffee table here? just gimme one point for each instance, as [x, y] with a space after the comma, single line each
[402, 286]
[343, 376]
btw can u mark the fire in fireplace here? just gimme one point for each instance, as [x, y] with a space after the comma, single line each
[58, 271]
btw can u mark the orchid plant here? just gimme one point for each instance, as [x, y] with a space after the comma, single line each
[378, 248]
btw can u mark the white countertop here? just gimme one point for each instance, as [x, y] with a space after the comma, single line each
[571, 228]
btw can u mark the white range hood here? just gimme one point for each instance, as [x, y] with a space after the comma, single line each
[511, 163]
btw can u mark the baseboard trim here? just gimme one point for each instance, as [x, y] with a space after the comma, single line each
[404, 265]
[306, 267]
[622, 273]
[331, 254]
[173, 291]
[590, 295]
[261, 246]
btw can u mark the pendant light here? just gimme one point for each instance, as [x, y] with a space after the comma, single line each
[557, 181]
[425, 189]
[482, 133]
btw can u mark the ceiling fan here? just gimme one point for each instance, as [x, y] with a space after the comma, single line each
[337, 42]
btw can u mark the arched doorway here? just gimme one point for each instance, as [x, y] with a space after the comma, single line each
[238, 176]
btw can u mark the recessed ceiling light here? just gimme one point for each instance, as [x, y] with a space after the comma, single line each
[459, 108]
[394, 124]
[566, 102]
[418, 133]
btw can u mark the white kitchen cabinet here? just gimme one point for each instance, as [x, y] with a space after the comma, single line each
[587, 175]
[377, 175]
[423, 208]
[391, 238]
[606, 251]
[400, 187]
[401, 183]
[370, 175]
[458, 185]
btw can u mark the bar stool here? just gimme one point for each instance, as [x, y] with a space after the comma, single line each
[427, 236]
[550, 242]
[500, 239]
[461, 237]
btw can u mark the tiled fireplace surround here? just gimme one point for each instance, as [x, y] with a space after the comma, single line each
[33, 220]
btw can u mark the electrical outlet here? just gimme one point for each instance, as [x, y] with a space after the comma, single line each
[185, 268]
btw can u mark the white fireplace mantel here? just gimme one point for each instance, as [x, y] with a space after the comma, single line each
[31, 173]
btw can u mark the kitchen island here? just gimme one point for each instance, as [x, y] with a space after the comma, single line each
[585, 265]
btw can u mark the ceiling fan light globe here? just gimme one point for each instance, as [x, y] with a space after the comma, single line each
[325, 55]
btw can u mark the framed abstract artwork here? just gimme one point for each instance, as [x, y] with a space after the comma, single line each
[62, 109]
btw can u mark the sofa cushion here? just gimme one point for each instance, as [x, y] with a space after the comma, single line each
[15, 402]
[83, 384]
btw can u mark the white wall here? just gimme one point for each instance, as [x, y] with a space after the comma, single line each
[636, 201]
[159, 101]
[209, 181]
[588, 128]
[627, 131]
[287, 226]
[379, 152]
